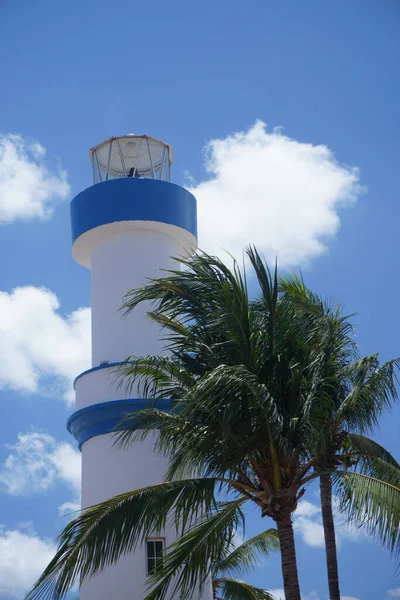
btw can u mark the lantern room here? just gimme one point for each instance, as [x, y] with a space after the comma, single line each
[131, 155]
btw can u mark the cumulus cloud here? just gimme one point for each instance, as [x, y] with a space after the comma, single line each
[393, 593]
[23, 556]
[42, 351]
[69, 509]
[307, 522]
[276, 192]
[37, 462]
[28, 186]
[279, 594]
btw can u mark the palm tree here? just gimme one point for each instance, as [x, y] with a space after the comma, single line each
[243, 378]
[353, 393]
[236, 377]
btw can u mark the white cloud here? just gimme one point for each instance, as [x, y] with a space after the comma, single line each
[307, 522]
[272, 191]
[28, 186]
[307, 509]
[23, 556]
[311, 531]
[67, 462]
[69, 509]
[38, 343]
[37, 462]
[393, 593]
[279, 594]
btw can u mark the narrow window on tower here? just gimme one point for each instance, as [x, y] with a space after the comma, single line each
[154, 554]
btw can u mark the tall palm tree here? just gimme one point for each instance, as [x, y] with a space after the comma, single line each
[353, 393]
[243, 378]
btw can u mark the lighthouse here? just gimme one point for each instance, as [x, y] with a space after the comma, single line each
[126, 227]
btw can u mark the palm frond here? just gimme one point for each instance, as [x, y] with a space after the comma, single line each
[234, 589]
[191, 562]
[372, 504]
[207, 293]
[156, 377]
[373, 390]
[178, 437]
[246, 555]
[106, 531]
[382, 470]
[364, 450]
[269, 291]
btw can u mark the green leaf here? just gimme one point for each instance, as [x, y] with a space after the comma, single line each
[246, 555]
[366, 451]
[192, 561]
[156, 377]
[372, 504]
[374, 390]
[235, 589]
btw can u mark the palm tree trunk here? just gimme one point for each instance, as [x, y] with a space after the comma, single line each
[288, 558]
[329, 534]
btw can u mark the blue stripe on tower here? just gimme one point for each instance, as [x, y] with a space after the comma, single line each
[104, 417]
[131, 199]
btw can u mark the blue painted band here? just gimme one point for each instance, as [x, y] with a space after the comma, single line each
[132, 199]
[98, 368]
[102, 418]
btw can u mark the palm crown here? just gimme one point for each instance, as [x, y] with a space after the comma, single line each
[255, 387]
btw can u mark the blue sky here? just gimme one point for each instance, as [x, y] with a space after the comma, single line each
[215, 80]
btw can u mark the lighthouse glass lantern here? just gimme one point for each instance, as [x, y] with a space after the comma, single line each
[131, 155]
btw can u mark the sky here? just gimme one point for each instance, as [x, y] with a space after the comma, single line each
[284, 121]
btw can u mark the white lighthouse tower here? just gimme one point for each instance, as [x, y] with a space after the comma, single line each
[125, 228]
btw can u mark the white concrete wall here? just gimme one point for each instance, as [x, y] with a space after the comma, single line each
[107, 471]
[120, 263]
[99, 386]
